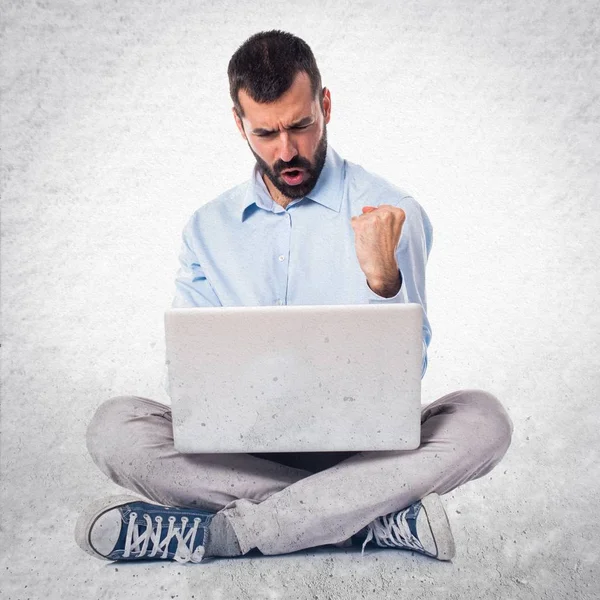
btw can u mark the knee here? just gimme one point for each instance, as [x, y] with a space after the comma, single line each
[104, 431]
[489, 419]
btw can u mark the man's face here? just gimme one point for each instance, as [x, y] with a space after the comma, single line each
[288, 137]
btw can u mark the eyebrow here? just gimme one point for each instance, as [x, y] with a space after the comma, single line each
[301, 123]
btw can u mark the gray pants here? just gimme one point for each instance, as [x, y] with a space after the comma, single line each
[282, 503]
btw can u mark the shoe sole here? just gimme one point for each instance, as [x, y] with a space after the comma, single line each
[91, 514]
[440, 526]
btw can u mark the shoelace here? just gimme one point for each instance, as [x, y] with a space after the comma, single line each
[138, 543]
[393, 531]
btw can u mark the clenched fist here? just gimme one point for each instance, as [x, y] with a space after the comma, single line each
[376, 236]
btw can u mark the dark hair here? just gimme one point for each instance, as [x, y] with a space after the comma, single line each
[266, 64]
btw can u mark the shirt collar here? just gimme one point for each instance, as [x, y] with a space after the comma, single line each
[327, 192]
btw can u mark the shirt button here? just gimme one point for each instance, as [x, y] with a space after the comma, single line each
[281, 257]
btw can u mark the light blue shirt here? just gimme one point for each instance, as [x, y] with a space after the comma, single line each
[244, 249]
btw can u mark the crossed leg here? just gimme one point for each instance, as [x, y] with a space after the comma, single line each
[305, 499]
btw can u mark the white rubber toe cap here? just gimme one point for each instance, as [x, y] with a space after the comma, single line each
[105, 532]
[98, 526]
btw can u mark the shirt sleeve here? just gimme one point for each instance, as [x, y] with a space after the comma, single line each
[412, 254]
[192, 288]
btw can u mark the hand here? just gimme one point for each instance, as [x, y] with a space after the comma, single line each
[376, 236]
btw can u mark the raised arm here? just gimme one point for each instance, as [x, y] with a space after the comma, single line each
[413, 250]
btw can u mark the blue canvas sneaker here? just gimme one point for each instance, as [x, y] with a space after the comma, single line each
[423, 527]
[127, 528]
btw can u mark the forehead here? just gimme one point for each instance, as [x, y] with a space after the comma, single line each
[297, 102]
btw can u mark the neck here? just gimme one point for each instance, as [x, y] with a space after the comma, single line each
[278, 197]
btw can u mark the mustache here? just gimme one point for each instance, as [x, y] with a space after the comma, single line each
[298, 162]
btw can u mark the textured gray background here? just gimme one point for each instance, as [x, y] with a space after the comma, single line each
[116, 125]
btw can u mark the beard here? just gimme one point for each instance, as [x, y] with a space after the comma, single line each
[313, 170]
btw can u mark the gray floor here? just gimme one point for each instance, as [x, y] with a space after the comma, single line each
[116, 126]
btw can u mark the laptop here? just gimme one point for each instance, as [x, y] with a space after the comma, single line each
[295, 378]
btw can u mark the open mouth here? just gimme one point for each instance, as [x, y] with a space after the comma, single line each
[293, 176]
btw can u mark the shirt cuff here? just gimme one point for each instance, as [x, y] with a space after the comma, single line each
[399, 298]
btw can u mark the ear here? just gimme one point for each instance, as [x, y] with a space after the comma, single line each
[238, 122]
[326, 105]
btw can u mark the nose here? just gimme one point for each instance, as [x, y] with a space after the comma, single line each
[287, 150]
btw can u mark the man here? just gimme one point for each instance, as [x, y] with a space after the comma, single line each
[308, 228]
